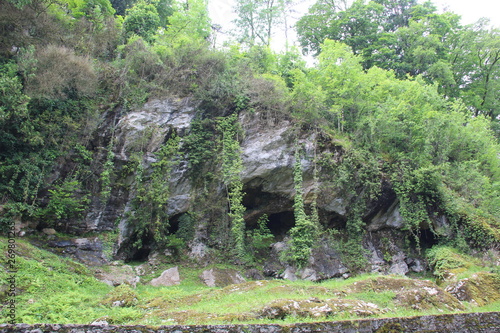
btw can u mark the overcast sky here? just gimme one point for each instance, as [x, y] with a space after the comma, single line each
[222, 13]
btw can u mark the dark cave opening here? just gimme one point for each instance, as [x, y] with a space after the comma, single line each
[427, 239]
[332, 220]
[280, 223]
[141, 254]
[173, 224]
[278, 208]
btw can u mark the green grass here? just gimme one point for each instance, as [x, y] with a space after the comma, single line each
[52, 289]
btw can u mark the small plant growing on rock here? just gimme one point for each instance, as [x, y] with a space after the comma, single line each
[447, 260]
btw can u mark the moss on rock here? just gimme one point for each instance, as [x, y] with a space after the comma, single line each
[410, 293]
[481, 288]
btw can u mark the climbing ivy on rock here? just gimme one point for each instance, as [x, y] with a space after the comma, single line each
[149, 216]
[232, 167]
[305, 231]
[105, 177]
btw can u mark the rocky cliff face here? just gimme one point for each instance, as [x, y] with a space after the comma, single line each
[267, 152]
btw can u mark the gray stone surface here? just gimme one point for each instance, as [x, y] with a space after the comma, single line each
[49, 231]
[169, 277]
[486, 322]
[325, 262]
[117, 275]
[215, 277]
[390, 218]
[267, 152]
[399, 266]
[88, 251]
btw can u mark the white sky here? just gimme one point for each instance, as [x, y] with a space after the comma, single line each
[221, 12]
[472, 10]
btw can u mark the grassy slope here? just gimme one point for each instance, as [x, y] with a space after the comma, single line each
[56, 290]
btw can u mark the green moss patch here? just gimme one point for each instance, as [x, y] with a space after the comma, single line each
[481, 288]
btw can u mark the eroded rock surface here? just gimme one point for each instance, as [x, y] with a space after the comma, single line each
[169, 277]
[88, 251]
[315, 308]
[215, 277]
[268, 159]
[481, 289]
[410, 293]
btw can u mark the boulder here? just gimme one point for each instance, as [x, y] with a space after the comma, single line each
[399, 266]
[254, 274]
[289, 274]
[481, 288]
[409, 293]
[88, 251]
[428, 297]
[215, 277]
[169, 277]
[325, 263]
[416, 265]
[49, 231]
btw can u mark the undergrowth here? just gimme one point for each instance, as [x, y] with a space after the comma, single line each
[51, 289]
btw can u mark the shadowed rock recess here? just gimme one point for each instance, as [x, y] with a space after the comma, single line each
[487, 322]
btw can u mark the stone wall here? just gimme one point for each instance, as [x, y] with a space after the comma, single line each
[487, 322]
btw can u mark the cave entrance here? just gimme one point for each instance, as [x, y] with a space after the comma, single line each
[134, 253]
[173, 224]
[280, 223]
[141, 254]
[427, 239]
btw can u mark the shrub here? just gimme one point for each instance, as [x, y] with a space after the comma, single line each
[142, 20]
[66, 201]
[61, 73]
[444, 258]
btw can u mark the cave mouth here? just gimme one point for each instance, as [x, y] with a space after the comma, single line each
[280, 224]
[141, 254]
[173, 224]
[130, 252]
[277, 207]
[427, 239]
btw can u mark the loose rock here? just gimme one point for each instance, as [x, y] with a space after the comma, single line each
[169, 277]
[215, 277]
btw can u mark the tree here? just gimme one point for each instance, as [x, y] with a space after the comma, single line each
[93, 10]
[365, 27]
[142, 20]
[189, 23]
[356, 26]
[412, 39]
[475, 64]
[340, 78]
[257, 20]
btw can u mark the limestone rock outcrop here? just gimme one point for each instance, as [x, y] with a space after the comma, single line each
[268, 158]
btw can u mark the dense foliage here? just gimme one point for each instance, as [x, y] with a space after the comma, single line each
[414, 39]
[412, 97]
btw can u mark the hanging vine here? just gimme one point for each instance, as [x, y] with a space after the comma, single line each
[305, 231]
[232, 167]
[152, 194]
